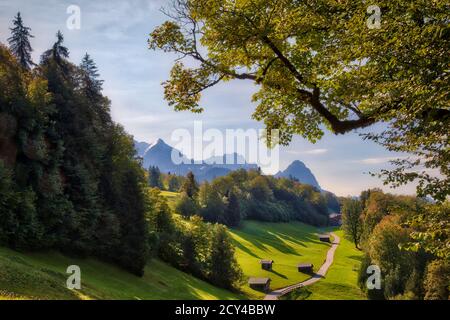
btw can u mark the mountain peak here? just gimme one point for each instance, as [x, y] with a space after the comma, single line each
[160, 144]
[297, 163]
[300, 171]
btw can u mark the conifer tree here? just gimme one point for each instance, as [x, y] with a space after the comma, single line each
[173, 183]
[58, 52]
[233, 211]
[90, 81]
[225, 271]
[154, 179]
[19, 42]
[190, 186]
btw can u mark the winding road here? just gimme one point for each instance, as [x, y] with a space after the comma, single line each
[316, 277]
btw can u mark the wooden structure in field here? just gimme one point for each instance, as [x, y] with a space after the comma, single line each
[260, 284]
[324, 238]
[266, 264]
[305, 267]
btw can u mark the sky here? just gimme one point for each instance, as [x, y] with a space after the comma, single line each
[115, 34]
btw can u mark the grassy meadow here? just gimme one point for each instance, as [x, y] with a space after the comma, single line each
[171, 198]
[43, 276]
[340, 281]
[286, 243]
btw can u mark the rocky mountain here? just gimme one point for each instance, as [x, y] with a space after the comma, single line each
[160, 154]
[298, 170]
[141, 147]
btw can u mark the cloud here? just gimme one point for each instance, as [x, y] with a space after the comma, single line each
[316, 151]
[311, 152]
[378, 160]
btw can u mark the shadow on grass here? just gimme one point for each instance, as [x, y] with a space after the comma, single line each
[357, 258]
[278, 274]
[263, 237]
[245, 249]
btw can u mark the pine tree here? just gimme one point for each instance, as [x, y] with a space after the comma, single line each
[189, 254]
[58, 52]
[173, 183]
[90, 81]
[190, 186]
[233, 211]
[154, 177]
[225, 271]
[19, 42]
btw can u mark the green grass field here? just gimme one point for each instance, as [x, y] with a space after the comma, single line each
[289, 244]
[340, 281]
[171, 197]
[43, 276]
[286, 243]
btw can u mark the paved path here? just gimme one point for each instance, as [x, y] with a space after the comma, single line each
[316, 277]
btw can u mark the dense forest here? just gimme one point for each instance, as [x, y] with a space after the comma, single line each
[407, 238]
[247, 194]
[70, 179]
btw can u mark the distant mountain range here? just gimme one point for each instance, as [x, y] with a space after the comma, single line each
[160, 154]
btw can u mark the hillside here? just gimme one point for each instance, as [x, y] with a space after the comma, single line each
[289, 244]
[340, 281]
[43, 276]
[286, 243]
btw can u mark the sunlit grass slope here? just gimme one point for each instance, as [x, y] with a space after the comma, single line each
[171, 197]
[340, 281]
[286, 243]
[43, 276]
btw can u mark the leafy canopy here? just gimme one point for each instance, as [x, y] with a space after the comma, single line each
[317, 65]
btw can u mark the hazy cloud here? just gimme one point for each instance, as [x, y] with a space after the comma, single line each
[311, 152]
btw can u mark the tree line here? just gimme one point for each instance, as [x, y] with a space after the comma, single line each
[164, 181]
[202, 249]
[70, 179]
[247, 194]
[407, 237]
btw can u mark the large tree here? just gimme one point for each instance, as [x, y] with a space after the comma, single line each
[58, 52]
[233, 211]
[90, 77]
[225, 271]
[154, 177]
[190, 186]
[318, 65]
[19, 42]
[351, 219]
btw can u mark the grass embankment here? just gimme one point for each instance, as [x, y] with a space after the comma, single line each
[43, 276]
[286, 243]
[340, 280]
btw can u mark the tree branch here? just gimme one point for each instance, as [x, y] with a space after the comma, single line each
[338, 126]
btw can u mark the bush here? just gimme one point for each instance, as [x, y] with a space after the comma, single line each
[186, 206]
[437, 280]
